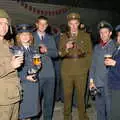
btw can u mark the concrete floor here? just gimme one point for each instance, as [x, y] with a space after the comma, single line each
[58, 112]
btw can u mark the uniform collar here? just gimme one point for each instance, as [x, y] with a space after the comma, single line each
[103, 44]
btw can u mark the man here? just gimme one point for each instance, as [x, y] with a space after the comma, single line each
[98, 71]
[75, 49]
[46, 46]
[114, 78]
[9, 85]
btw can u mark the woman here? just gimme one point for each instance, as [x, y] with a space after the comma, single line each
[114, 78]
[27, 72]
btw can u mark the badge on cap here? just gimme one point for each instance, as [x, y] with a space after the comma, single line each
[102, 25]
[24, 27]
[73, 16]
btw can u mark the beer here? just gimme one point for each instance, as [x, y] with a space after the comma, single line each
[107, 56]
[36, 59]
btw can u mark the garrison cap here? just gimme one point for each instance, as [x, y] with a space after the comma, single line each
[72, 16]
[24, 28]
[105, 24]
[4, 14]
[117, 28]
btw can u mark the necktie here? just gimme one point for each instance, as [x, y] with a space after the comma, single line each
[42, 38]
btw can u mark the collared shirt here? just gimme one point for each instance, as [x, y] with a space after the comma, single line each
[26, 47]
[41, 35]
[102, 43]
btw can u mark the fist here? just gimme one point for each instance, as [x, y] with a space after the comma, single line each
[42, 49]
[69, 44]
[16, 61]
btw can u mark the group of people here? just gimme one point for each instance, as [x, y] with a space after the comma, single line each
[27, 72]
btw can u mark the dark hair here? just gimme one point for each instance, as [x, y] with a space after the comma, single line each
[42, 18]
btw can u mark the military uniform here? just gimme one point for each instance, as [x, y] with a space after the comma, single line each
[74, 68]
[99, 72]
[9, 83]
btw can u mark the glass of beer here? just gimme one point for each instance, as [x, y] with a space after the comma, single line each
[107, 56]
[18, 53]
[32, 71]
[36, 59]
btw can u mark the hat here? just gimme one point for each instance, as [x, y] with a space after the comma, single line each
[24, 28]
[117, 28]
[72, 16]
[3, 14]
[104, 24]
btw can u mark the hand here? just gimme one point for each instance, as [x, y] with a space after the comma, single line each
[17, 61]
[91, 85]
[43, 49]
[109, 62]
[69, 45]
[31, 78]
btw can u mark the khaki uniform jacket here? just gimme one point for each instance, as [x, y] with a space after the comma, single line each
[84, 49]
[9, 83]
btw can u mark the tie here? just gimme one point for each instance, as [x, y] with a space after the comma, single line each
[27, 49]
[42, 38]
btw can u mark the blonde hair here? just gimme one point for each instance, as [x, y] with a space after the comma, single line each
[18, 41]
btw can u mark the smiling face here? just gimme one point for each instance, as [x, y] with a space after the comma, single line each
[24, 38]
[3, 27]
[105, 34]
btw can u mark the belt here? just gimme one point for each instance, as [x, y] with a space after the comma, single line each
[74, 56]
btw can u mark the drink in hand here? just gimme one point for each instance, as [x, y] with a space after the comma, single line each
[36, 59]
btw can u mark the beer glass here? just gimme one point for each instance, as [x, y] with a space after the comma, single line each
[36, 59]
[107, 56]
[18, 53]
[32, 71]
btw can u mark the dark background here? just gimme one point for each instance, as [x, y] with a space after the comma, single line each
[112, 5]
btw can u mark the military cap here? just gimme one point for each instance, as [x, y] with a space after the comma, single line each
[105, 24]
[72, 16]
[3, 14]
[117, 28]
[24, 28]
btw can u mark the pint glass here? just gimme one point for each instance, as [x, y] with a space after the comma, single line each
[36, 59]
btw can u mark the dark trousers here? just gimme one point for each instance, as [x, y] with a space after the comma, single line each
[103, 104]
[69, 83]
[47, 87]
[115, 105]
[57, 79]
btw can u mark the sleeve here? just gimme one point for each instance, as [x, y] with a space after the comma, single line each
[6, 65]
[22, 74]
[116, 69]
[93, 66]
[52, 50]
[88, 51]
[62, 49]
